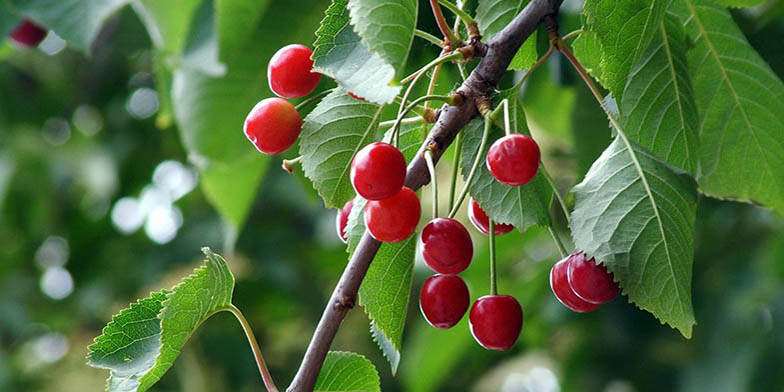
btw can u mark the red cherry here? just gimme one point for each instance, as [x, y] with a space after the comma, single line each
[446, 246]
[28, 34]
[393, 219]
[357, 97]
[444, 300]
[481, 221]
[590, 281]
[559, 282]
[378, 171]
[341, 220]
[289, 72]
[273, 125]
[496, 321]
[513, 160]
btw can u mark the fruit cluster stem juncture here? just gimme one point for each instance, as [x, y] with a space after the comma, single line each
[480, 84]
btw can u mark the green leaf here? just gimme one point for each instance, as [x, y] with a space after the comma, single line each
[142, 342]
[625, 28]
[493, 15]
[386, 27]
[635, 214]
[231, 187]
[741, 103]
[740, 3]
[521, 206]
[332, 134]
[234, 18]
[9, 18]
[76, 21]
[347, 372]
[658, 103]
[167, 22]
[588, 49]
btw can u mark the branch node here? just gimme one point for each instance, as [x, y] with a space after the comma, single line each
[346, 302]
[431, 115]
[484, 106]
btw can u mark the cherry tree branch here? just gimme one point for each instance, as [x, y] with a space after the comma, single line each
[479, 85]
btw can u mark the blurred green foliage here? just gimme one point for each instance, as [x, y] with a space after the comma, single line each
[73, 143]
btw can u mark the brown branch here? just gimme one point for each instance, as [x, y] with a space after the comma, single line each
[480, 84]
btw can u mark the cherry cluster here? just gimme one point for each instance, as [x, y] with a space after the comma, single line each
[28, 34]
[581, 284]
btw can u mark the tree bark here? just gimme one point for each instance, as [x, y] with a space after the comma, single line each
[479, 85]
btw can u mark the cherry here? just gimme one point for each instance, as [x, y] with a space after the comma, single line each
[273, 125]
[444, 300]
[513, 160]
[496, 321]
[378, 171]
[446, 246]
[481, 221]
[393, 219]
[590, 281]
[289, 72]
[341, 220]
[28, 34]
[559, 282]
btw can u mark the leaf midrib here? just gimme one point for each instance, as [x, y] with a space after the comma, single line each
[671, 63]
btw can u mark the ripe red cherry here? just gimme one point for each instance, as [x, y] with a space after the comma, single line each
[289, 72]
[559, 282]
[273, 125]
[378, 171]
[496, 321]
[341, 220]
[446, 246]
[481, 221]
[444, 300]
[28, 34]
[393, 219]
[590, 281]
[513, 160]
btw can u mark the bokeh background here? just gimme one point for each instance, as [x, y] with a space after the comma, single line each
[100, 204]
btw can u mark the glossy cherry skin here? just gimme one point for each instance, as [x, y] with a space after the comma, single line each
[273, 125]
[513, 160]
[28, 34]
[289, 72]
[559, 283]
[496, 321]
[481, 221]
[378, 171]
[393, 219]
[446, 246]
[341, 220]
[590, 281]
[444, 300]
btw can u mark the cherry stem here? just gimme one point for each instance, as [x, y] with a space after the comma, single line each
[455, 169]
[571, 35]
[428, 37]
[474, 167]
[431, 167]
[432, 85]
[410, 120]
[289, 164]
[557, 193]
[493, 282]
[456, 28]
[440, 60]
[558, 243]
[507, 127]
[312, 99]
[534, 67]
[396, 126]
[449, 35]
[467, 19]
[254, 345]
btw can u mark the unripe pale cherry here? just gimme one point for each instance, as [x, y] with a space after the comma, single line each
[341, 220]
[590, 281]
[446, 246]
[481, 221]
[289, 72]
[496, 321]
[273, 125]
[444, 300]
[393, 219]
[514, 159]
[559, 283]
[28, 34]
[378, 171]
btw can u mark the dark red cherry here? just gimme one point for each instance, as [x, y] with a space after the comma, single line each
[378, 171]
[590, 281]
[513, 160]
[559, 282]
[496, 321]
[273, 125]
[481, 221]
[289, 72]
[393, 219]
[341, 220]
[444, 300]
[28, 34]
[446, 246]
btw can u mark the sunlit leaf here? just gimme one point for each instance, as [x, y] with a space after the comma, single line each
[347, 372]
